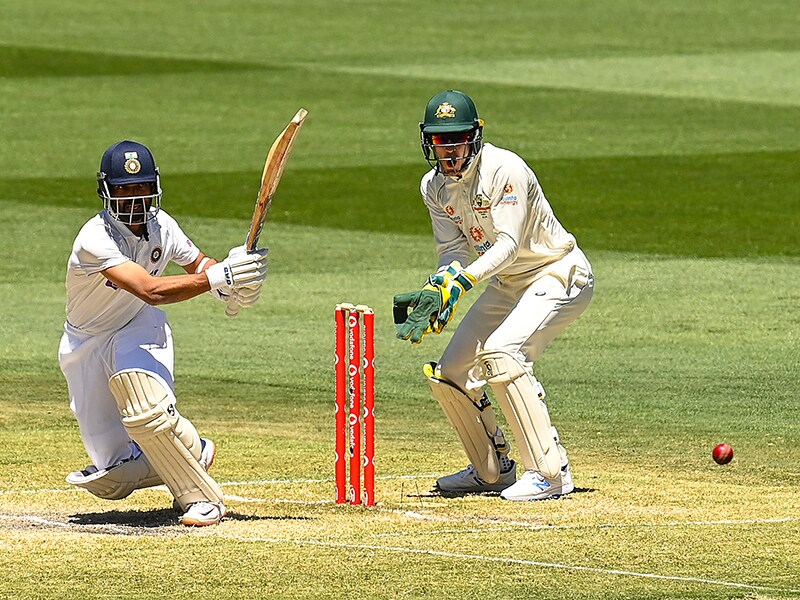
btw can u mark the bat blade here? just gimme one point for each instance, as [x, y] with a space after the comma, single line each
[270, 178]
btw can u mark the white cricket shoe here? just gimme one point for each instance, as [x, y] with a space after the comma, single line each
[200, 514]
[467, 481]
[535, 486]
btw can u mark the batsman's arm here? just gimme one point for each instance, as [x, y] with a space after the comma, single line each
[135, 279]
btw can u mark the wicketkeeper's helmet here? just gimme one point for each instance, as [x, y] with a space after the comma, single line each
[450, 112]
[124, 163]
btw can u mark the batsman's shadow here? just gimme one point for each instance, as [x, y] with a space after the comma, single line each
[109, 521]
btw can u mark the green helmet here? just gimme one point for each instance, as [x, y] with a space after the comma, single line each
[450, 112]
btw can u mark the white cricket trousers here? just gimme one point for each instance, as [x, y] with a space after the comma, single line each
[88, 361]
[518, 315]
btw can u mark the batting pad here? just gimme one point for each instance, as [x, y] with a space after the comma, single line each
[170, 441]
[521, 397]
[119, 481]
[475, 425]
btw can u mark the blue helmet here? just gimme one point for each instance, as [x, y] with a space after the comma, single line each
[127, 163]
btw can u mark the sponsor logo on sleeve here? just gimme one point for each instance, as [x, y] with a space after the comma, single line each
[481, 249]
[476, 233]
[451, 212]
[156, 253]
[508, 201]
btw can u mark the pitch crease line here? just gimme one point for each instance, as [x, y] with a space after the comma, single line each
[516, 561]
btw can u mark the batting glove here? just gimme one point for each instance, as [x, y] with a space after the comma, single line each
[239, 269]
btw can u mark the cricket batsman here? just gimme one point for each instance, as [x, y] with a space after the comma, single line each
[116, 352]
[486, 201]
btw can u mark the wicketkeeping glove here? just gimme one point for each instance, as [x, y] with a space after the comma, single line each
[425, 304]
[433, 306]
[453, 282]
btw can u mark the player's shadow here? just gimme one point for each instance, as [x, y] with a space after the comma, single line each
[154, 519]
[437, 493]
[127, 518]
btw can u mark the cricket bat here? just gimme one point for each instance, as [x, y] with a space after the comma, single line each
[273, 169]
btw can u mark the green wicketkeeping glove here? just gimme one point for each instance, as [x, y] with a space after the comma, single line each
[425, 305]
[453, 283]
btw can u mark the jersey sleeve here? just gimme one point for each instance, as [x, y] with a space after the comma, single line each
[451, 243]
[183, 249]
[91, 255]
[510, 212]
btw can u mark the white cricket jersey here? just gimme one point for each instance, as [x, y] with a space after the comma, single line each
[94, 304]
[498, 210]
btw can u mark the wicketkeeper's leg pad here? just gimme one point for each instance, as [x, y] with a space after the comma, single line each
[521, 397]
[475, 424]
[170, 441]
[119, 481]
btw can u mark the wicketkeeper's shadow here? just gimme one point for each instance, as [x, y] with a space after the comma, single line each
[435, 492]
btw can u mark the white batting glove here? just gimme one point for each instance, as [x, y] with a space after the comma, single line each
[246, 296]
[238, 270]
[236, 250]
[222, 294]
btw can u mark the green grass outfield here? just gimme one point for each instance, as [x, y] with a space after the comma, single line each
[667, 138]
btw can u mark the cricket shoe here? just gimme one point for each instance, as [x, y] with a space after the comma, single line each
[535, 486]
[200, 514]
[467, 481]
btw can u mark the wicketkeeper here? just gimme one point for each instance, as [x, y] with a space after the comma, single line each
[116, 352]
[487, 201]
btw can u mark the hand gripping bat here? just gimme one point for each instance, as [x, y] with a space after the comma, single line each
[273, 169]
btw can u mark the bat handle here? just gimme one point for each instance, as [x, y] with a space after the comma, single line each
[232, 309]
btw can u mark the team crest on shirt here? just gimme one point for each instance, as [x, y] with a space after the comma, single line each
[132, 164]
[508, 189]
[481, 205]
[446, 111]
[155, 255]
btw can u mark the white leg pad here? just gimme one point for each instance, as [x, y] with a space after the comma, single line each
[522, 398]
[170, 441]
[475, 424]
[119, 481]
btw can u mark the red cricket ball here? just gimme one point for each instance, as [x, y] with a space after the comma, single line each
[722, 454]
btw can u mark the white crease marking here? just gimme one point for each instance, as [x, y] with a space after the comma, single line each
[509, 560]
